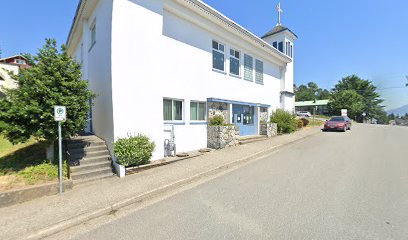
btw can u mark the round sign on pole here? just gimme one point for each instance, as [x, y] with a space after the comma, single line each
[60, 113]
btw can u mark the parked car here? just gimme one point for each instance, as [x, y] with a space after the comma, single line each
[338, 123]
[303, 114]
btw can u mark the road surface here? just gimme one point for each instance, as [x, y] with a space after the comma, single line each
[351, 185]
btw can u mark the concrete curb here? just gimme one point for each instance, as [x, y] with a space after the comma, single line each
[16, 196]
[56, 228]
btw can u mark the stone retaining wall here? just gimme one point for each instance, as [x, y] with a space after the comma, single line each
[219, 137]
[272, 129]
[218, 109]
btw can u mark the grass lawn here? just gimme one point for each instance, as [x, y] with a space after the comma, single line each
[315, 122]
[24, 164]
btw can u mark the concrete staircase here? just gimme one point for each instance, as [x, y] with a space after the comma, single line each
[89, 159]
[249, 139]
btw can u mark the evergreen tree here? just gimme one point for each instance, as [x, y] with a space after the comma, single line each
[54, 79]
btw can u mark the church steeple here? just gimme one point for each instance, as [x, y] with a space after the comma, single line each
[280, 11]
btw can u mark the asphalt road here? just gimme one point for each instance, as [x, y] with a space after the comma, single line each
[351, 185]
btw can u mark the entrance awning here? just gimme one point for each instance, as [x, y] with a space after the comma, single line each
[237, 102]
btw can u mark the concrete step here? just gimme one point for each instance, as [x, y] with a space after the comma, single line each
[83, 167]
[78, 150]
[91, 173]
[99, 177]
[80, 155]
[86, 138]
[85, 144]
[250, 139]
[88, 160]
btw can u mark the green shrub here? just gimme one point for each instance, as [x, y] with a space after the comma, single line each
[305, 122]
[133, 150]
[285, 120]
[299, 123]
[217, 120]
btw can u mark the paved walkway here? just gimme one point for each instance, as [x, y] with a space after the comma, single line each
[41, 216]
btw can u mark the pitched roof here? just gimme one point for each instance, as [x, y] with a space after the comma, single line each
[278, 29]
[15, 56]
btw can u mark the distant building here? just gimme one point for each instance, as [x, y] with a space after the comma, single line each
[320, 106]
[10, 65]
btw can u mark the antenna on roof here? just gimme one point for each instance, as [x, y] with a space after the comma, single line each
[280, 11]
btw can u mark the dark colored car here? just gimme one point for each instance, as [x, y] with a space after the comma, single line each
[338, 123]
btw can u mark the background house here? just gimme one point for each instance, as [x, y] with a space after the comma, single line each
[317, 106]
[10, 65]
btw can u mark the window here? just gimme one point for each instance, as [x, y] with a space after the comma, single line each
[172, 110]
[19, 61]
[248, 68]
[198, 111]
[248, 115]
[218, 56]
[258, 71]
[291, 51]
[234, 62]
[280, 47]
[93, 34]
[275, 44]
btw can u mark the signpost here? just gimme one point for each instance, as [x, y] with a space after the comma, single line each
[344, 112]
[60, 115]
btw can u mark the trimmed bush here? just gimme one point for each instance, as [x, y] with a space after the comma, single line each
[305, 122]
[285, 120]
[299, 123]
[217, 121]
[133, 150]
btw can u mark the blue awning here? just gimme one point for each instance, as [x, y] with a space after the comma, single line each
[237, 102]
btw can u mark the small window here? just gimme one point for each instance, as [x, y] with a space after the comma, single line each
[198, 111]
[172, 110]
[291, 51]
[93, 33]
[218, 56]
[275, 44]
[248, 68]
[20, 61]
[258, 71]
[235, 62]
[280, 47]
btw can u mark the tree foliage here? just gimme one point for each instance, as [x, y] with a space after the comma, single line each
[54, 79]
[357, 96]
[311, 92]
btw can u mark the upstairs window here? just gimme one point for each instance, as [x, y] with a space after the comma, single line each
[248, 68]
[92, 30]
[19, 61]
[275, 44]
[198, 111]
[172, 110]
[218, 56]
[258, 71]
[235, 62]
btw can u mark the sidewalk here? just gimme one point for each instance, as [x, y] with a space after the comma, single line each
[44, 216]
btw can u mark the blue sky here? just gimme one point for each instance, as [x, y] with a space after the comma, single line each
[336, 37]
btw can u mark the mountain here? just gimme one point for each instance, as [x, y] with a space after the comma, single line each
[399, 111]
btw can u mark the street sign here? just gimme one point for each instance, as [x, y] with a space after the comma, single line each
[344, 112]
[364, 114]
[60, 113]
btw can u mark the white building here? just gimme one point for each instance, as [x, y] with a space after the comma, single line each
[160, 62]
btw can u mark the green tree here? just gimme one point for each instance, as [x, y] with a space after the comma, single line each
[310, 92]
[54, 79]
[370, 100]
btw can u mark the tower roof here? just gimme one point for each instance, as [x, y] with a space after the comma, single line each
[278, 29]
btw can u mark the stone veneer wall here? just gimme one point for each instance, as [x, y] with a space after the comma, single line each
[263, 117]
[219, 137]
[272, 129]
[217, 108]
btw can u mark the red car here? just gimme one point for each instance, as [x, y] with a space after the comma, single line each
[338, 123]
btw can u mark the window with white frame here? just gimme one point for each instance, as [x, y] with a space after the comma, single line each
[235, 62]
[218, 56]
[172, 110]
[248, 68]
[258, 71]
[92, 30]
[198, 111]
[19, 61]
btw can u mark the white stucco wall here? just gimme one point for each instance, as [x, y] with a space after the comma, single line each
[157, 54]
[96, 65]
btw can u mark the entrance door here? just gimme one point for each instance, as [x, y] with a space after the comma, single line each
[243, 117]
